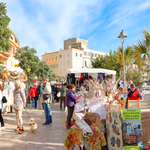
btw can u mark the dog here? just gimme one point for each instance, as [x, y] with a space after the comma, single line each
[33, 125]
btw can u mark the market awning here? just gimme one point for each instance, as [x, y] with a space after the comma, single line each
[94, 70]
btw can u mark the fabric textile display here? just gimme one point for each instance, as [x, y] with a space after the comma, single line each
[84, 76]
[95, 142]
[86, 130]
[114, 130]
[71, 78]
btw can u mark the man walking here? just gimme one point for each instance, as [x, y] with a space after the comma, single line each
[46, 94]
[63, 92]
[53, 91]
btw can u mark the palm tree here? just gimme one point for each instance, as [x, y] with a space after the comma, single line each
[128, 56]
[141, 51]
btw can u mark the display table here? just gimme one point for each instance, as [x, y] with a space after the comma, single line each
[109, 107]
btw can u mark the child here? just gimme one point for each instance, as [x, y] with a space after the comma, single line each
[33, 94]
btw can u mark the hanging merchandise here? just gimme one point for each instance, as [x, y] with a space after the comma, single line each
[71, 78]
[101, 77]
[84, 76]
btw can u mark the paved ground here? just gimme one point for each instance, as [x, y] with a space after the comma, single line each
[47, 137]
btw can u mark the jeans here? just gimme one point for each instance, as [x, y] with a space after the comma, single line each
[48, 114]
[34, 102]
[1, 118]
[70, 113]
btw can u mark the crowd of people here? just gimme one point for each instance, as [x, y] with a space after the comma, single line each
[42, 95]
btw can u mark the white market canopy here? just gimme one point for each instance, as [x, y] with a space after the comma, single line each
[95, 70]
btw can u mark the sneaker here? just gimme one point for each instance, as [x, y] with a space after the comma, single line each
[21, 131]
[2, 128]
[46, 123]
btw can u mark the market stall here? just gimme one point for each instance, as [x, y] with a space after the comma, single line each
[99, 98]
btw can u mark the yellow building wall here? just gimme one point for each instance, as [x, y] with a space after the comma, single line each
[51, 59]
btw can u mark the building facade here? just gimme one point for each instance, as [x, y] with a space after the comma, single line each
[74, 55]
[51, 59]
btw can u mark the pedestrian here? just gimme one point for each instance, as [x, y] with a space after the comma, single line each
[53, 91]
[63, 92]
[129, 84]
[70, 102]
[40, 96]
[46, 95]
[57, 91]
[20, 103]
[1, 107]
[33, 95]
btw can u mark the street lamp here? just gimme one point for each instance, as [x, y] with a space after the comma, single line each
[122, 36]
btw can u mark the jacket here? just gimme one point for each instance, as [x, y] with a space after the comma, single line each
[20, 98]
[135, 95]
[33, 92]
[70, 98]
[38, 90]
[46, 90]
[63, 91]
[1, 96]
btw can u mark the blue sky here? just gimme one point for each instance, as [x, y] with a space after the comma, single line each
[47, 23]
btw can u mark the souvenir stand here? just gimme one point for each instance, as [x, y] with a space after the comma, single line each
[90, 103]
[99, 116]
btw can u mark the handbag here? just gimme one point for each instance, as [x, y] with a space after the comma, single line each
[58, 94]
[46, 96]
[4, 100]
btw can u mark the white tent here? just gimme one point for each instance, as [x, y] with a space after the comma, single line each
[92, 71]
[19, 70]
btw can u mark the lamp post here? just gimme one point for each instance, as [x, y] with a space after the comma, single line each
[122, 36]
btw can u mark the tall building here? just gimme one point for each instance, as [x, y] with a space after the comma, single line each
[74, 55]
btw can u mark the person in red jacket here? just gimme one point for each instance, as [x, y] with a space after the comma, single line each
[134, 93]
[33, 94]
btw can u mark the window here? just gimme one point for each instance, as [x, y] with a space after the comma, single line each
[85, 63]
[52, 66]
[80, 55]
[84, 53]
[60, 72]
[46, 59]
[92, 54]
[64, 63]
[76, 54]
[68, 62]
[56, 65]
[56, 58]
[89, 54]
[64, 72]
[68, 54]
[95, 55]
[99, 55]
[64, 55]
[60, 63]
[52, 58]
[49, 59]
[60, 56]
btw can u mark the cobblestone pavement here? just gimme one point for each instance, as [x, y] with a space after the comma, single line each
[47, 137]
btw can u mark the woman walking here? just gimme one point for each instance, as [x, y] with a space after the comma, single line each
[33, 94]
[70, 102]
[20, 102]
[1, 106]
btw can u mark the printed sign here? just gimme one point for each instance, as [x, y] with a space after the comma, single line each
[132, 129]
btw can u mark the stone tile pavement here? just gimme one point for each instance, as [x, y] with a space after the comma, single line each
[47, 137]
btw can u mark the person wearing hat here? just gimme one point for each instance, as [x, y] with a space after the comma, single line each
[134, 93]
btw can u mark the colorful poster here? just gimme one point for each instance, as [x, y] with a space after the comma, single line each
[132, 129]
